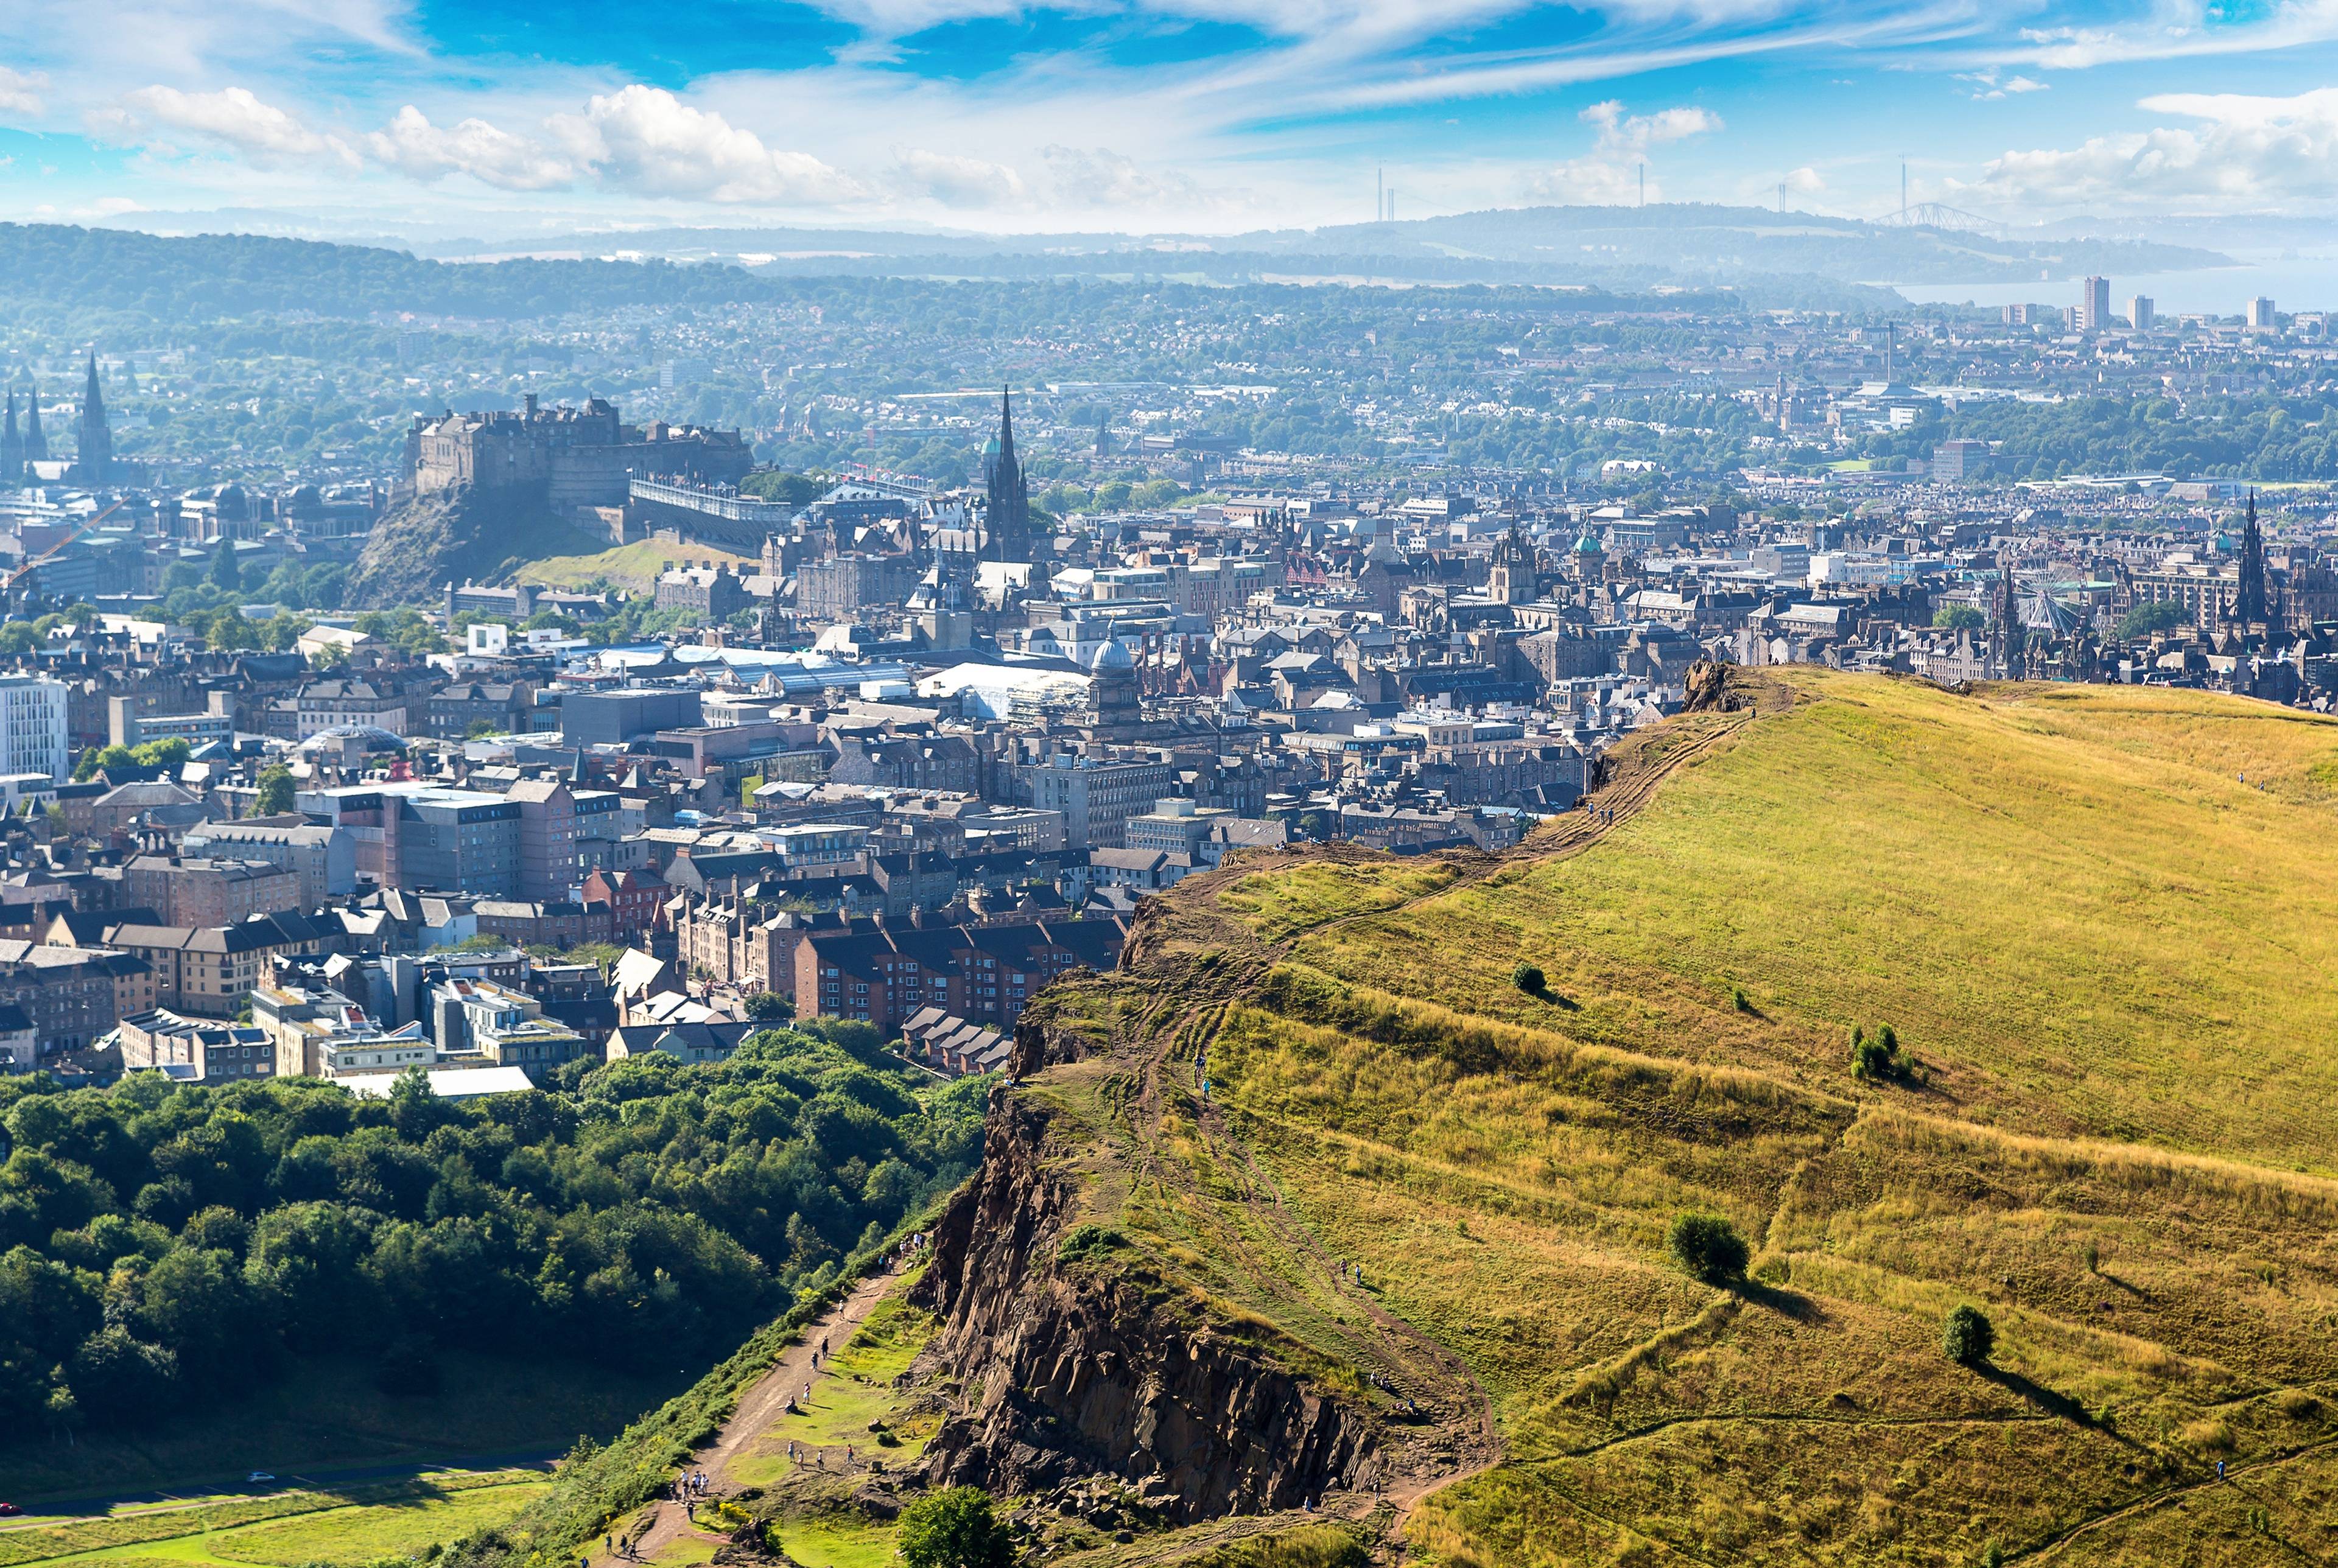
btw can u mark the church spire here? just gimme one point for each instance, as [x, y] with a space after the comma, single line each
[95, 462]
[36, 444]
[1007, 518]
[12, 446]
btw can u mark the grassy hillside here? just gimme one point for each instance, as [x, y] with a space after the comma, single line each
[2102, 950]
[466, 535]
[634, 567]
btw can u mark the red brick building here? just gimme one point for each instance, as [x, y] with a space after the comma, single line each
[884, 974]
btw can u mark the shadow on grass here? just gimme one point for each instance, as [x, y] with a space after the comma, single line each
[2060, 1406]
[1786, 1303]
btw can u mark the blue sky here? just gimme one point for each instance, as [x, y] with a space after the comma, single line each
[503, 119]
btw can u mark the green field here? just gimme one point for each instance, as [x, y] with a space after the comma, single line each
[2105, 953]
[634, 566]
[383, 1521]
[332, 1416]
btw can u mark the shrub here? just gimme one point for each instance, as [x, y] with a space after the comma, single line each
[1967, 1336]
[956, 1528]
[1707, 1247]
[1528, 979]
[1090, 1243]
[1877, 1060]
[1739, 1000]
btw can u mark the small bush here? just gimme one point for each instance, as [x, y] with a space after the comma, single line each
[1967, 1336]
[1877, 1060]
[1707, 1247]
[1090, 1244]
[1528, 979]
[1739, 1000]
[958, 1528]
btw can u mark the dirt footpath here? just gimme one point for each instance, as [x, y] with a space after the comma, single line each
[665, 1522]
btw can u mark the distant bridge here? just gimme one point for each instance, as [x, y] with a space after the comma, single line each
[1935, 215]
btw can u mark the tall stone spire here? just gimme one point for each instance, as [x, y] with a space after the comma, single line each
[2252, 601]
[12, 446]
[95, 459]
[36, 444]
[1007, 518]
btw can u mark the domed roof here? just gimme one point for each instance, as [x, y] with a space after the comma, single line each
[1587, 545]
[376, 739]
[1111, 656]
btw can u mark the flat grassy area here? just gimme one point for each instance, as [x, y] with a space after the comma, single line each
[361, 1533]
[835, 1541]
[634, 566]
[328, 1416]
[2100, 921]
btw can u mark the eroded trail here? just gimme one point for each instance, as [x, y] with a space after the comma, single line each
[667, 1521]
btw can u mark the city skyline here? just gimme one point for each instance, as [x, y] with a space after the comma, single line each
[1154, 115]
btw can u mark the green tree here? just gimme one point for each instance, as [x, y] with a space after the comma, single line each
[1707, 1247]
[1967, 1336]
[225, 574]
[1530, 979]
[275, 796]
[1959, 618]
[169, 755]
[956, 1528]
[769, 1007]
[2144, 620]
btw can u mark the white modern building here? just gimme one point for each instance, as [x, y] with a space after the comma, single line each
[32, 727]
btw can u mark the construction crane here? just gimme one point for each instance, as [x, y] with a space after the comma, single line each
[18, 577]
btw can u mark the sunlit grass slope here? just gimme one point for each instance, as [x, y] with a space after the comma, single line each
[2110, 957]
[2065, 899]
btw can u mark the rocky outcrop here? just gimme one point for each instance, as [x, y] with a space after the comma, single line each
[468, 534]
[1067, 1365]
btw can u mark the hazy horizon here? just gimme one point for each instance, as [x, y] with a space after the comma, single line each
[1157, 116]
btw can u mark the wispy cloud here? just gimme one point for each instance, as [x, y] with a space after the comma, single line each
[2239, 152]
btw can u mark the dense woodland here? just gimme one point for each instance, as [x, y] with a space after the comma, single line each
[165, 1245]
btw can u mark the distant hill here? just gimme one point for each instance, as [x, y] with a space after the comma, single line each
[1325, 1194]
[1671, 245]
[1607, 257]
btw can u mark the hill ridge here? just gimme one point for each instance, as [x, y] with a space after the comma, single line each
[1501, 1166]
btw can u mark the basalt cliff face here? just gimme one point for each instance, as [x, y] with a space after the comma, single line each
[1064, 1367]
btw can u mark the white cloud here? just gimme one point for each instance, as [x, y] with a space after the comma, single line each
[2177, 30]
[1608, 175]
[1099, 177]
[1988, 85]
[234, 117]
[2242, 152]
[956, 181]
[647, 141]
[415, 148]
[20, 91]
[1805, 181]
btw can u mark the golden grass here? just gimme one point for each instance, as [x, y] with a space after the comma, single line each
[2106, 953]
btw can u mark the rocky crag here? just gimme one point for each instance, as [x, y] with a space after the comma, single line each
[468, 534]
